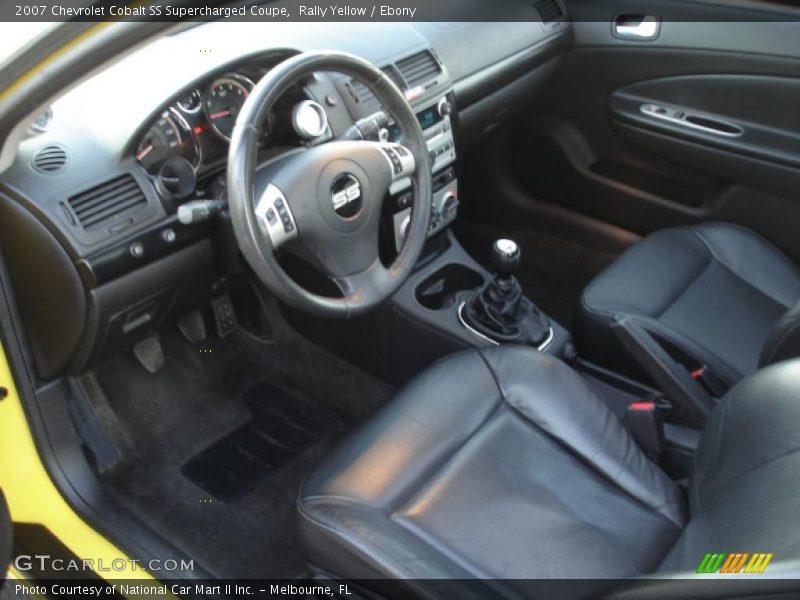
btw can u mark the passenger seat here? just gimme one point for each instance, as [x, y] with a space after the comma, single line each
[717, 293]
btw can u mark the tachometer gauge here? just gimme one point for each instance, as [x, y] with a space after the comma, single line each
[224, 99]
[169, 136]
[191, 102]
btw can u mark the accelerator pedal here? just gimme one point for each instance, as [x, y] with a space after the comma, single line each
[150, 354]
[193, 327]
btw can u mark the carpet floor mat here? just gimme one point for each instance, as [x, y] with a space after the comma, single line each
[282, 428]
[216, 444]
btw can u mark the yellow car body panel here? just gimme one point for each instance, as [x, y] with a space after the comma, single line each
[33, 497]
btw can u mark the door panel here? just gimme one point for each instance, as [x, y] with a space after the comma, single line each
[593, 149]
[727, 112]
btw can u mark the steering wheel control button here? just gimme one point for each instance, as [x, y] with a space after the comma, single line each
[401, 160]
[136, 249]
[346, 196]
[274, 216]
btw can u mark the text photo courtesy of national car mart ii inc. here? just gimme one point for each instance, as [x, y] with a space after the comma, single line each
[206, 590]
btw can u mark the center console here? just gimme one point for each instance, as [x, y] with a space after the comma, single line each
[453, 302]
[438, 131]
[450, 302]
[435, 120]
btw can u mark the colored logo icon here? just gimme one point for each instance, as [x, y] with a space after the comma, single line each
[736, 562]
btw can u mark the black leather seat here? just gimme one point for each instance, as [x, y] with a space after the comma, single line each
[719, 292]
[504, 464]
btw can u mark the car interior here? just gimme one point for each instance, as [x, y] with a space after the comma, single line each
[421, 302]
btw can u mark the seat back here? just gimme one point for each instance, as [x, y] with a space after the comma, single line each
[744, 489]
[783, 342]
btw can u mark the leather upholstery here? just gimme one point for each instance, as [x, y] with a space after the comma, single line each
[743, 492]
[784, 340]
[494, 463]
[715, 290]
[502, 465]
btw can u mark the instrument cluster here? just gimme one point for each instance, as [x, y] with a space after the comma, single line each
[194, 131]
[198, 126]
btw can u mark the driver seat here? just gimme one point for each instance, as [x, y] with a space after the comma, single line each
[502, 464]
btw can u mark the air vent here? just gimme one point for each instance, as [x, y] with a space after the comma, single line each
[419, 68]
[392, 74]
[369, 103]
[50, 159]
[364, 97]
[107, 202]
[549, 11]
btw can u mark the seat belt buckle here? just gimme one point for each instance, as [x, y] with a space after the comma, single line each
[709, 380]
[645, 423]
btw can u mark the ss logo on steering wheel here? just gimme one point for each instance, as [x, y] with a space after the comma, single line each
[346, 195]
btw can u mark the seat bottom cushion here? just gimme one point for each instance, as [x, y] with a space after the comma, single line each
[714, 290]
[495, 464]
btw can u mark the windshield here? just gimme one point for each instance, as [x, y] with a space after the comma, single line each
[14, 36]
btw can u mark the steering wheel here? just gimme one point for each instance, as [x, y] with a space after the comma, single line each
[323, 203]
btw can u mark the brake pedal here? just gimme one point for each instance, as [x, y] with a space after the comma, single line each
[150, 354]
[193, 327]
[224, 315]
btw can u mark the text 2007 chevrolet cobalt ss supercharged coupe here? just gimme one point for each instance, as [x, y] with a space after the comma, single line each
[499, 308]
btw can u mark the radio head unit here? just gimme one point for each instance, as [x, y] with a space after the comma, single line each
[435, 120]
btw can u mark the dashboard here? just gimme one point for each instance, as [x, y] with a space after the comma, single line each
[95, 193]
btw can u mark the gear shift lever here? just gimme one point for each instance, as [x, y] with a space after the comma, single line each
[499, 310]
[505, 257]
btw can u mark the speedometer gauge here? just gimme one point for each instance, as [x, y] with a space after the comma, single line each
[169, 136]
[224, 100]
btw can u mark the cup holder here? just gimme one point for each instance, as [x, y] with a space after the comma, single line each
[438, 291]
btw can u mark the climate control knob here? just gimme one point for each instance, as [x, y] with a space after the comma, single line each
[449, 203]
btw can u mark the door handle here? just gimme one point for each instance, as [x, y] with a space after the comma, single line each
[637, 27]
[687, 118]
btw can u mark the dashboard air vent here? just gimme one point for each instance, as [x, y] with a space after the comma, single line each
[419, 68]
[549, 11]
[392, 73]
[363, 95]
[50, 159]
[369, 103]
[107, 201]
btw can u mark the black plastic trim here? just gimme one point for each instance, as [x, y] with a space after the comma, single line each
[59, 450]
[119, 260]
[477, 86]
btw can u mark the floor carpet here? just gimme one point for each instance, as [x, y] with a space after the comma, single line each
[285, 402]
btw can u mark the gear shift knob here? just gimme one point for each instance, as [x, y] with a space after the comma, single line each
[505, 257]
